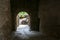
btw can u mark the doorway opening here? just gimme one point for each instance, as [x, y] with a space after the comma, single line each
[23, 26]
[23, 22]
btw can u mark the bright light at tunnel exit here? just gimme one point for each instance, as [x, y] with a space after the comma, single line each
[23, 27]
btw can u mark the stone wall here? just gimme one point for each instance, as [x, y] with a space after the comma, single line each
[50, 17]
[5, 20]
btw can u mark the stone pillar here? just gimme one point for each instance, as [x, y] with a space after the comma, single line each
[5, 20]
[50, 17]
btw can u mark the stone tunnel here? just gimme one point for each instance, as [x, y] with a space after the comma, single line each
[44, 15]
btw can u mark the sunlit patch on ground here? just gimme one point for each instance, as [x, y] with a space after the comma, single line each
[23, 31]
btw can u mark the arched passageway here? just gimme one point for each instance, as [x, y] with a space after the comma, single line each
[23, 26]
[17, 7]
[22, 18]
[31, 8]
[22, 21]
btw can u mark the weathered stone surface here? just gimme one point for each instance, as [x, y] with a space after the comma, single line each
[50, 19]
[5, 20]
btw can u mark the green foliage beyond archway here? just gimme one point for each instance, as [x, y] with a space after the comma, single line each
[22, 14]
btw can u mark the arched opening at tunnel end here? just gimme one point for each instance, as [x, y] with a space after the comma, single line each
[23, 21]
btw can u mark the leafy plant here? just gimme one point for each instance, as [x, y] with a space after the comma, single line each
[22, 14]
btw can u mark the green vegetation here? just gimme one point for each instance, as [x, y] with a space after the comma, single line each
[22, 14]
